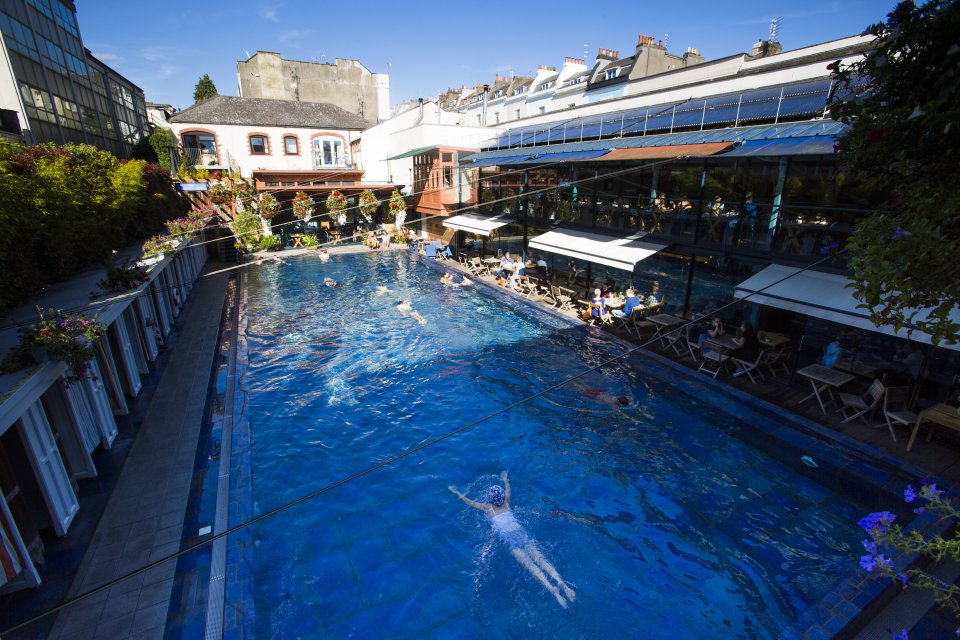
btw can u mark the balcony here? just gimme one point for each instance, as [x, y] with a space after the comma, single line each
[326, 161]
[207, 158]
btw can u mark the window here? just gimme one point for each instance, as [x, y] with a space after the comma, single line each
[543, 110]
[516, 114]
[291, 145]
[328, 152]
[497, 117]
[479, 121]
[498, 93]
[18, 36]
[447, 177]
[65, 18]
[545, 86]
[201, 147]
[259, 145]
[519, 90]
[52, 55]
[38, 103]
[43, 6]
[68, 112]
[612, 73]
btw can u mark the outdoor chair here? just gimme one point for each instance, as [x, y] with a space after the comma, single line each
[713, 362]
[676, 340]
[859, 406]
[430, 250]
[561, 295]
[777, 359]
[896, 408]
[477, 267]
[750, 369]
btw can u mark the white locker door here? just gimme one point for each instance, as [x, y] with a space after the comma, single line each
[26, 574]
[129, 320]
[160, 304]
[48, 466]
[128, 361]
[147, 321]
[97, 394]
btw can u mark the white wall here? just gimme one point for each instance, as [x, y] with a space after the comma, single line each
[232, 143]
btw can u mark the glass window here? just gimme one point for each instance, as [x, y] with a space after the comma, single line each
[18, 37]
[258, 145]
[328, 152]
[39, 105]
[290, 146]
[43, 6]
[65, 18]
[52, 55]
[68, 112]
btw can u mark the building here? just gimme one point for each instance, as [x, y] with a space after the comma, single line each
[345, 83]
[159, 114]
[63, 93]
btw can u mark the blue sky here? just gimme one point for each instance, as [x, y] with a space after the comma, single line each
[427, 46]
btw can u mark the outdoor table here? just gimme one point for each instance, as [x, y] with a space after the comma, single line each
[857, 368]
[664, 322]
[942, 414]
[723, 343]
[827, 378]
[615, 303]
[297, 239]
[491, 260]
[773, 340]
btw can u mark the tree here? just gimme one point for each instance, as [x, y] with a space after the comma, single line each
[903, 107]
[205, 89]
[161, 140]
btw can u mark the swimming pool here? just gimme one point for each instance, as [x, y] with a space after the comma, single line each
[678, 516]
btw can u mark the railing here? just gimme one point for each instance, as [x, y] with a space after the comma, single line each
[202, 157]
[338, 162]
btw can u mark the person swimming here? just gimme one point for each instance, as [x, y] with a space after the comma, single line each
[403, 307]
[522, 547]
[330, 282]
[419, 318]
[447, 278]
[324, 256]
[381, 289]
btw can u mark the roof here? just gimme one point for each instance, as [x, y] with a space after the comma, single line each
[265, 112]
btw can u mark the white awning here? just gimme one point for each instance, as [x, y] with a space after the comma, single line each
[620, 253]
[475, 223]
[821, 295]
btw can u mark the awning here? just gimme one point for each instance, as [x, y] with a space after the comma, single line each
[563, 156]
[667, 151]
[412, 152]
[809, 146]
[475, 223]
[821, 295]
[489, 162]
[620, 253]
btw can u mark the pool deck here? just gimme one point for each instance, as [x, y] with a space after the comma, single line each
[143, 519]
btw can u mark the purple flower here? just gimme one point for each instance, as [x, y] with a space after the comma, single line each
[930, 491]
[904, 578]
[870, 547]
[920, 510]
[877, 523]
[903, 635]
[909, 495]
[868, 562]
[897, 233]
[884, 562]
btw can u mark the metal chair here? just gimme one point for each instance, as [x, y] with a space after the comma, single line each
[750, 368]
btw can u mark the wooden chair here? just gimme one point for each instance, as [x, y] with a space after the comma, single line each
[896, 409]
[777, 360]
[676, 340]
[750, 368]
[713, 362]
[564, 301]
[859, 406]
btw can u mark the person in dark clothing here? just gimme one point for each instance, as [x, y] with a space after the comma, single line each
[748, 346]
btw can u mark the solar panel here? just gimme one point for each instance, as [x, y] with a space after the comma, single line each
[720, 114]
[802, 105]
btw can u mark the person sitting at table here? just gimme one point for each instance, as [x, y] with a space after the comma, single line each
[633, 301]
[607, 290]
[507, 267]
[655, 296]
[542, 266]
[833, 352]
[746, 343]
[598, 305]
[716, 207]
[713, 330]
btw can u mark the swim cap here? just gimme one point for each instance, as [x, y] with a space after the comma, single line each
[623, 401]
[495, 495]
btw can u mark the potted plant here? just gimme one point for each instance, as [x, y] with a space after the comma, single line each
[60, 336]
[268, 207]
[398, 209]
[303, 206]
[221, 194]
[368, 205]
[337, 206]
[245, 193]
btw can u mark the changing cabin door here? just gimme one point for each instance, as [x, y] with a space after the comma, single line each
[48, 466]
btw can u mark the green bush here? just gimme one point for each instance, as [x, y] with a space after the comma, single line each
[246, 229]
[64, 208]
[311, 241]
[270, 243]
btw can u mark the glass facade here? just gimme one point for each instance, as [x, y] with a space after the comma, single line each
[68, 96]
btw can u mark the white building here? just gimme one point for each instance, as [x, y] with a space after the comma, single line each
[256, 134]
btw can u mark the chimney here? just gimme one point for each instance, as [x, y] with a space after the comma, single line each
[643, 40]
[543, 67]
[607, 54]
[569, 60]
[764, 48]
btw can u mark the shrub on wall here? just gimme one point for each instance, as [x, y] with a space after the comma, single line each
[63, 208]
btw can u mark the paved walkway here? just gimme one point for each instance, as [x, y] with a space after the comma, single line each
[143, 520]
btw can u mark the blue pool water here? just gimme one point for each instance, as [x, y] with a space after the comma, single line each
[667, 518]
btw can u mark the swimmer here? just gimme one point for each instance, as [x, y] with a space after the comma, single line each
[447, 278]
[522, 547]
[403, 307]
[382, 289]
[330, 282]
[617, 402]
[465, 282]
[324, 256]
[419, 318]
